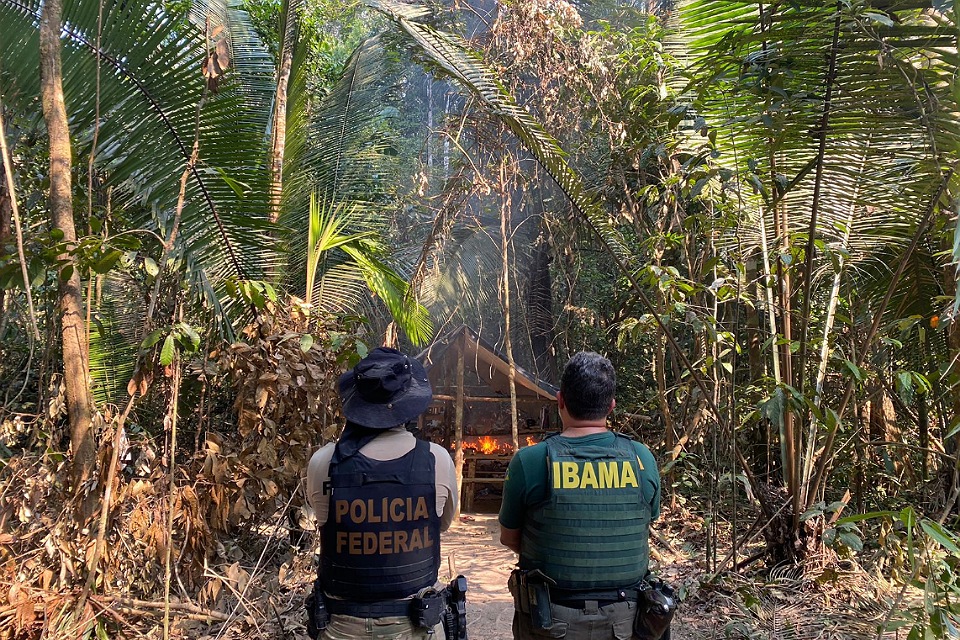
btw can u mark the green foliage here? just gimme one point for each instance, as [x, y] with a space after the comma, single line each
[328, 222]
[329, 32]
[149, 96]
[927, 557]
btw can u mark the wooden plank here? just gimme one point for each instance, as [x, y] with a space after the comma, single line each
[443, 396]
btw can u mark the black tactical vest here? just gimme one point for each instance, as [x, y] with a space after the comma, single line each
[381, 540]
[591, 532]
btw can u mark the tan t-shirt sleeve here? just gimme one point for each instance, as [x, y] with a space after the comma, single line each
[447, 494]
[318, 473]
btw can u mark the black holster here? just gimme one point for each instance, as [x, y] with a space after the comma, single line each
[455, 615]
[531, 596]
[317, 615]
[656, 605]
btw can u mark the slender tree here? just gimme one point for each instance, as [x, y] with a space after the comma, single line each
[70, 301]
[288, 40]
[6, 217]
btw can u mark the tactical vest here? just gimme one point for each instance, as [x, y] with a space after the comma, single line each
[591, 532]
[381, 540]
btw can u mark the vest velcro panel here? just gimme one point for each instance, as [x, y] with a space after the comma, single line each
[592, 532]
[381, 540]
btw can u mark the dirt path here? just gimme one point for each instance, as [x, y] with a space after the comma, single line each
[472, 548]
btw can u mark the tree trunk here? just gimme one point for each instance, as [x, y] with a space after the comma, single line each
[458, 426]
[70, 301]
[6, 217]
[540, 312]
[288, 37]
[505, 210]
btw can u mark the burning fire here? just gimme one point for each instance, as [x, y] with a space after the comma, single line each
[488, 445]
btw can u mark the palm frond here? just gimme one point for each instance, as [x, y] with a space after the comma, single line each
[346, 165]
[350, 257]
[890, 132]
[115, 337]
[151, 76]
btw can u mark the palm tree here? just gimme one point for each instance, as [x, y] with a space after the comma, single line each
[839, 125]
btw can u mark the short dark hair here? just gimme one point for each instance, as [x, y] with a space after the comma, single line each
[587, 385]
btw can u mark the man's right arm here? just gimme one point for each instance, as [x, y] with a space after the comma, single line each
[510, 538]
[513, 505]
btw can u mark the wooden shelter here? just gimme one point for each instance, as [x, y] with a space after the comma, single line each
[471, 413]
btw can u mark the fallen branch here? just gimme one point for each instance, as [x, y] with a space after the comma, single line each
[147, 607]
[663, 542]
[210, 616]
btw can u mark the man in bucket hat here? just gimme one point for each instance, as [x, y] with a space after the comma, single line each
[381, 497]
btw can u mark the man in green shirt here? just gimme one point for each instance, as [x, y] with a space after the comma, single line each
[577, 508]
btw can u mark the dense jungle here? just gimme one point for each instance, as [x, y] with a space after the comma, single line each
[210, 209]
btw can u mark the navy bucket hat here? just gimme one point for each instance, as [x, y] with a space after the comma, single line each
[385, 389]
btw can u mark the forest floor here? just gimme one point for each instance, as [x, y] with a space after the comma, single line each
[829, 604]
[265, 580]
[779, 608]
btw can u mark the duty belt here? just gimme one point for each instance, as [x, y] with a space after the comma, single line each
[383, 609]
[578, 599]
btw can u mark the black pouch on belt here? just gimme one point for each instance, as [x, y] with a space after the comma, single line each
[656, 604]
[519, 591]
[427, 609]
[537, 586]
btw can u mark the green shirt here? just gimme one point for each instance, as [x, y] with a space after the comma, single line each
[526, 480]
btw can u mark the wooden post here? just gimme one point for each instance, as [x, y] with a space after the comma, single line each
[512, 376]
[470, 485]
[458, 427]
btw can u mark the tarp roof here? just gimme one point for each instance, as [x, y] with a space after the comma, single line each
[478, 350]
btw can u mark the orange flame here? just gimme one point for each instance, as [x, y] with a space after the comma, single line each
[530, 441]
[487, 444]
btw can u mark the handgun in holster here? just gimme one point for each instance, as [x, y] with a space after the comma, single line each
[656, 606]
[455, 617]
[536, 584]
[317, 615]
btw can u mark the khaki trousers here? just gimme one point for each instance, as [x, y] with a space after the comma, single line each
[611, 622]
[342, 627]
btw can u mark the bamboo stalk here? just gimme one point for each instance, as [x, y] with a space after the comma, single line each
[174, 406]
[807, 273]
[827, 329]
